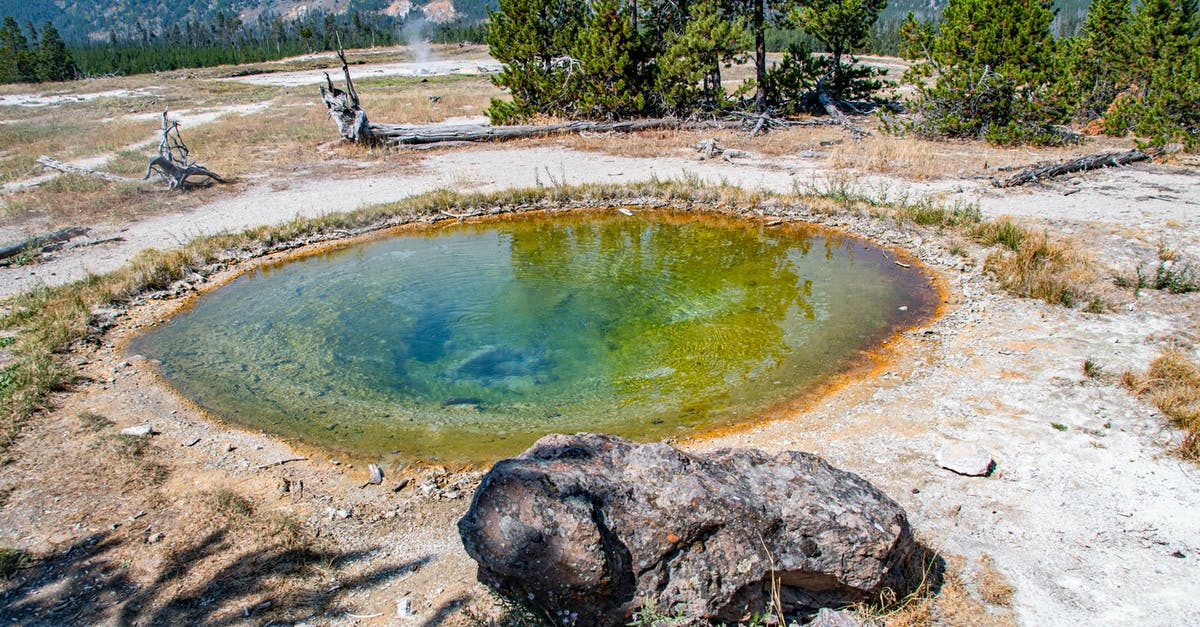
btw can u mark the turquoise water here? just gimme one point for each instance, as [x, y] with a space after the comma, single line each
[468, 342]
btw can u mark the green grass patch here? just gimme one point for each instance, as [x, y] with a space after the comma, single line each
[1005, 233]
[12, 560]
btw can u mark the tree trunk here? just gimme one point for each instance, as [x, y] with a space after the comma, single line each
[404, 135]
[760, 57]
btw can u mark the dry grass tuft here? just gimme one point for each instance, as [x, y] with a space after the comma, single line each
[943, 599]
[993, 588]
[1172, 384]
[1031, 265]
[228, 504]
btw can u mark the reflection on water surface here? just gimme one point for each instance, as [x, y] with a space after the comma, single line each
[468, 342]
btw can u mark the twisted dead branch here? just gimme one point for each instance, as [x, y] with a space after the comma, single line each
[172, 163]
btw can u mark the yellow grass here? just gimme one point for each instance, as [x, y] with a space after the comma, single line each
[1172, 384]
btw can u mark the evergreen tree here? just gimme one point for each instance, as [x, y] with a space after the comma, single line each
[792, 84]
[1011, 38]
[16, 65]
[531, 38]
[55, 62]
[690, 66]
[843, 26]
[1161, 79]
[614, 78]
[1094, 60]
[992, 61]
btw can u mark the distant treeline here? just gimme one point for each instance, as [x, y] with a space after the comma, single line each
[224, 40]
[29, 57]
[228, 40]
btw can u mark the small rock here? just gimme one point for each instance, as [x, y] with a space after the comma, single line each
[833, 618]
[966, 459]
[376, 474]
[140, 431]
[404, 608]
[334, 512]
[154, 538]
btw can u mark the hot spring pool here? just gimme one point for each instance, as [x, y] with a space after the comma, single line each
[467, 342]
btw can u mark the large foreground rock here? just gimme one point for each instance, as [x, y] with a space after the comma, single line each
[597, 525]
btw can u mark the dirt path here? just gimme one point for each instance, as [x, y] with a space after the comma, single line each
[1146, 205]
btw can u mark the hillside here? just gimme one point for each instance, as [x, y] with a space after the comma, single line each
[80, 20]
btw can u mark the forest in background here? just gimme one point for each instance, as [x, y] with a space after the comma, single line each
[139, 36]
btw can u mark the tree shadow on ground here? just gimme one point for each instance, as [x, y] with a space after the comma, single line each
[88, 583]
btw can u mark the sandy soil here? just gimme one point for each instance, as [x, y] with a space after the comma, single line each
[1094, 524]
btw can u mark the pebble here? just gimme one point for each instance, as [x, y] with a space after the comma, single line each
[404, 608]
[334, 512]
[140, 431]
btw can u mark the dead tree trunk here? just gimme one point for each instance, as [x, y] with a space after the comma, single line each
[1082, 164]
[61, 235]
[172, 161]
[345, 109]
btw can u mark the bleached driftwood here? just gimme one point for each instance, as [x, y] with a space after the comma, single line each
[401, 135]
[172, 163]
[1042, 172]
[41, 241]
[68, 168]
[345, 109]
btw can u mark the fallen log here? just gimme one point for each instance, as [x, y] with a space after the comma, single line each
[1082, 164]
[68, 168]
[403, 135]
[61, 235]
[345, 109]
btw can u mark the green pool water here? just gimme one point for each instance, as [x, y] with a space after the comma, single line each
[468, 342]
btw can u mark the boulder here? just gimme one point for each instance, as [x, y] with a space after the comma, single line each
[599, 525]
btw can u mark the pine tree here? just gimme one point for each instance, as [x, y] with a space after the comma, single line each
[1161, 79]
[1094, 60]
[842, 25]
[690, 66]
[15, 63]
[55, 62]
[531, 38]
[1011, 38]
[993, 61]
[614, 77]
